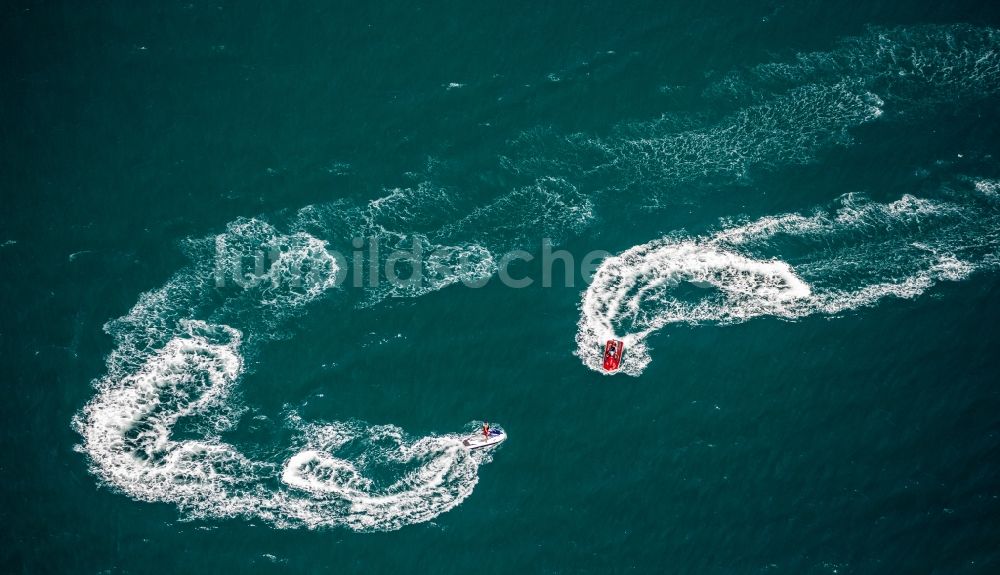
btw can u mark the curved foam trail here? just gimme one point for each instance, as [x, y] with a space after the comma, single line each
[634, 289]
[439, 474]
[457, 240]
[417, 220]
[285, 270]
[126, 427]
[850, 257]
[167, 370]
[128, 435]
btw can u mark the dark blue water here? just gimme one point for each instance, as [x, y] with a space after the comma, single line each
[793, 212]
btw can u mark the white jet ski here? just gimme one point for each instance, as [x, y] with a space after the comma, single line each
[478, 441]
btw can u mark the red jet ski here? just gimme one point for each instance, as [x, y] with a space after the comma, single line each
[613, 351]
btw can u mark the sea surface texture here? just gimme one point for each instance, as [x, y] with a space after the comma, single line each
[265, 267]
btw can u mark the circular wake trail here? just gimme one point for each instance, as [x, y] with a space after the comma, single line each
[128, 433]
[171, 376]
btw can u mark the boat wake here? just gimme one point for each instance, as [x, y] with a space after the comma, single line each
[790, 266]
[156, 426]
[775, 114]
[182, 350]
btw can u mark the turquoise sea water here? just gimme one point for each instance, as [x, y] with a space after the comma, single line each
[800, 206]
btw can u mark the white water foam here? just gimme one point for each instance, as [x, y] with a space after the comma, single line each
[127, 426]
[793, 109]
[551, 208]
[910, 66]
[634, 289]
[128, 433]
[989, 188]
[783, 113]
[418, 220]
[284, 270]
[170, 376]
[455, 239]
[437, 473]
[789, 128]
[837, 260]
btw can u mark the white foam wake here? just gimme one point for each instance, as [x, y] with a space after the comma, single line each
[635, 289]
[833, 261]
[780, 113]
[282, 270]
[437, 474]
[129, 433]
[127, 426]
[155, 428]
[913, 65]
